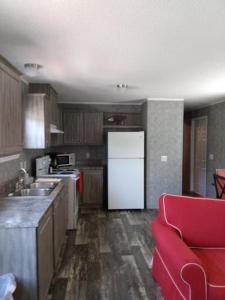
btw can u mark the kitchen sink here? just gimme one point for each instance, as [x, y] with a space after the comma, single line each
[32, 192]
[43, 185]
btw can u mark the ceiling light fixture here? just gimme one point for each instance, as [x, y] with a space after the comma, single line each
[31, 69]
[122, 86]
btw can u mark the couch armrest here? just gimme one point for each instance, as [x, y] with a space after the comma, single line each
[183, 266]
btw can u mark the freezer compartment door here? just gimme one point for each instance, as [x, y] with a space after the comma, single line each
[126, 144]
[126, 184]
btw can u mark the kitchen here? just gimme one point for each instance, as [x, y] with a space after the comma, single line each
[55, 143]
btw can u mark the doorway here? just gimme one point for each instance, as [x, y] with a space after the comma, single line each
[198, 155]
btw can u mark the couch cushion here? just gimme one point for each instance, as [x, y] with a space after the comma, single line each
[213, 261]
[199, 221]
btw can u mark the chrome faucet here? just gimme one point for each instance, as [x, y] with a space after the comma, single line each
[20, 183]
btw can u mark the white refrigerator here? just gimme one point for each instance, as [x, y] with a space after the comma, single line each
[126, 170]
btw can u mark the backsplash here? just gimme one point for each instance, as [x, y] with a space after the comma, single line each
[9, 170]
[85, 155]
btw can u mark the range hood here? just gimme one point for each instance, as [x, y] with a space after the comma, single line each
[54, 129]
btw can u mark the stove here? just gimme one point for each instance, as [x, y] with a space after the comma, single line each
[70, 175]
[65, 171]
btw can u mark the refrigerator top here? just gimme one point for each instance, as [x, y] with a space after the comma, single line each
[126, 144]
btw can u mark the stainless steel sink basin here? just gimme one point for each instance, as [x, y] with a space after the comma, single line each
[43, 185]
[32, 192]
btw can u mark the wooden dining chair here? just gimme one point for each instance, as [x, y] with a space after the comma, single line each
[220, 186]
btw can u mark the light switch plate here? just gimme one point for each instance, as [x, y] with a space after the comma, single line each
[164, 158]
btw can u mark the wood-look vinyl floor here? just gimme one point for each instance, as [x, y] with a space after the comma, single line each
[107, 258]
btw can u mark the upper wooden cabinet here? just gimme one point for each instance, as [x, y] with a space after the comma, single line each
[55, 113]
[37, 115]
[51, 95]
[93, 128]
[83, 128]
[10, 109]
[54, 106]
[73, 128]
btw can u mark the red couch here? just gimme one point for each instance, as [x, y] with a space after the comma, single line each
[189, 256]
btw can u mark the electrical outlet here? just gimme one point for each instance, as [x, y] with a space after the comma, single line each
[164, 158]
[211, 156]
[88, 155]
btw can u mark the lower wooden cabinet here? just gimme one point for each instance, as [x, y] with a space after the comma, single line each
[45, 255]
[31, 253]
[92, 186]
[59, 210]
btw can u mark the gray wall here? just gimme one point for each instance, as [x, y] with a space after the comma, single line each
[164, 136]
[85, 155]
[215, 141]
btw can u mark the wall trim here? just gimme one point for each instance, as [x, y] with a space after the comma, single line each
[165, 99]
[217, 102]
[100, 103]
[9, 158]
[205, 105]
[24, 80]
[140, 102]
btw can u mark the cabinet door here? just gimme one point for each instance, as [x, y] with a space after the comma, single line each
[93, 186]
[60, 126]
[45, 254]
[51, 110]
[47, 112]
[10, 114]
[53, 101]
[59, 225]
[57, 139]
[93, 128]
[73, 128]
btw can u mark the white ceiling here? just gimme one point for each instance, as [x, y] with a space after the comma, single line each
[160, 48]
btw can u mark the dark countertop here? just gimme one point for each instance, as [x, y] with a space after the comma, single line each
[25, 212]
[91, 167]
